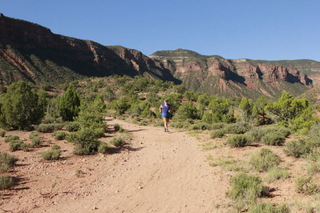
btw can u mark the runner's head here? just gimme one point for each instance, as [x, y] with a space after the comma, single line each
[166, 100]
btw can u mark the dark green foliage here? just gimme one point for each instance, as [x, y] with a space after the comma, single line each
[69, 104]
[85, 141]
[121, 105]
[59, 135]
[273, 139]
[2, 133]
[11, 138]
[6, 162]
[264, 160]
[72, 126]
[187, 111]
[222, 110]
[291, 112]
[116, 127]
[299, 148]
[238, 140]
[6, 182]
[21, 108]
[246, 187]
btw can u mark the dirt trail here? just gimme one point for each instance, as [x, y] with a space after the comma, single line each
[163, 172]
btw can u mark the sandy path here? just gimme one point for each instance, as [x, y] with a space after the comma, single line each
[164, 172]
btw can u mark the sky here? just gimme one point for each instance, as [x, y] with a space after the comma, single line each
[233, 29]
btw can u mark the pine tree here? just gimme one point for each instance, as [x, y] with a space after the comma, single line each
[69, 104]
[21, 107]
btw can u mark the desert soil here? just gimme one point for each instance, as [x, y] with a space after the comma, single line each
[157, 172]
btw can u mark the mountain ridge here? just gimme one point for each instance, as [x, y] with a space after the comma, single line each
[33, 53]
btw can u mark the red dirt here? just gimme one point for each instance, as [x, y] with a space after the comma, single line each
[160, 172]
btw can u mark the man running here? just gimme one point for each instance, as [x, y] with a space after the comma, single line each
[165, 110]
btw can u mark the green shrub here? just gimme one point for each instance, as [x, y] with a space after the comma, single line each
[2, 133]
[256, 134]
[55, 147]
[268, 208]
[73, 126]
[103, 147]
[15, 145]
[49, 128]
[11, 138]
[116, 127]
[118, 141]
[59, 135]
[264, 160]
[85, 140]
[218, 133]
[6, 182]
[298, 148]
[36, 141]
[33, 134]
[273, 139]
[313, 168]
[238, 140]
[276, 173]
[237, 128]
[217, 126]
[7, 161]
[305, 186]
[53, 154]
[246, 187]
[199, 126]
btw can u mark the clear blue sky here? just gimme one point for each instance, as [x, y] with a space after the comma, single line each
[233, 29]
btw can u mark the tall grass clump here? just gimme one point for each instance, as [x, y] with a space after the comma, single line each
[305, 185]
[7, 161]
[264, 160]
[238, 140]
[6, 182]
[276, 173]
